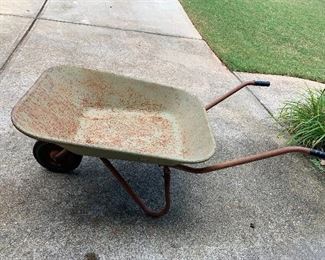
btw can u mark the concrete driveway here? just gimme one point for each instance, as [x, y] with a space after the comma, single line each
[269, 209]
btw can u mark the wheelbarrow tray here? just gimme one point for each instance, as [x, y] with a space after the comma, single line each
[105, 115]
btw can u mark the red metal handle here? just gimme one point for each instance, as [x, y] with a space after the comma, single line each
[261, 83]
[250, 158]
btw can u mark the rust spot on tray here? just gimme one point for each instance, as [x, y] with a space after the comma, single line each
[133, 131]
[49, 116]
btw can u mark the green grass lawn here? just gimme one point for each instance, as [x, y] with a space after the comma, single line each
[285, 37]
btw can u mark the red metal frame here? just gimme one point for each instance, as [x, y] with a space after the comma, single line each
[135, 197]
[244, 160]
[202, 170]
[212, 168]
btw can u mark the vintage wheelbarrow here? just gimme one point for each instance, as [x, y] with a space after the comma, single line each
[74, 112]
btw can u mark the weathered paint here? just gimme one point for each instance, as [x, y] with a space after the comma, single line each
[105, 115]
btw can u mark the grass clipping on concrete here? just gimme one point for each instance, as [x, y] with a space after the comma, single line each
[284, 37]
[305, 119]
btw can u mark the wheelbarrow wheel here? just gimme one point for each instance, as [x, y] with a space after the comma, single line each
[44, 154]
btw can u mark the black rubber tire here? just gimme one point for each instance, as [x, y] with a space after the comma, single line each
[42, 153]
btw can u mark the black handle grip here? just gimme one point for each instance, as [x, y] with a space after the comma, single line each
[262, 83]
[317, 153]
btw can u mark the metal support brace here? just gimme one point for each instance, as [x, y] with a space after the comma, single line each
[135, 197]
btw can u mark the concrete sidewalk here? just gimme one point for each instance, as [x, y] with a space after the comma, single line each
[53, 216]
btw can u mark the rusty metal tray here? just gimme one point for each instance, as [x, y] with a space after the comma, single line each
[105, 115]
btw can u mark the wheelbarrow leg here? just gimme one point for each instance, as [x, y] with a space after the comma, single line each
[135, 197]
